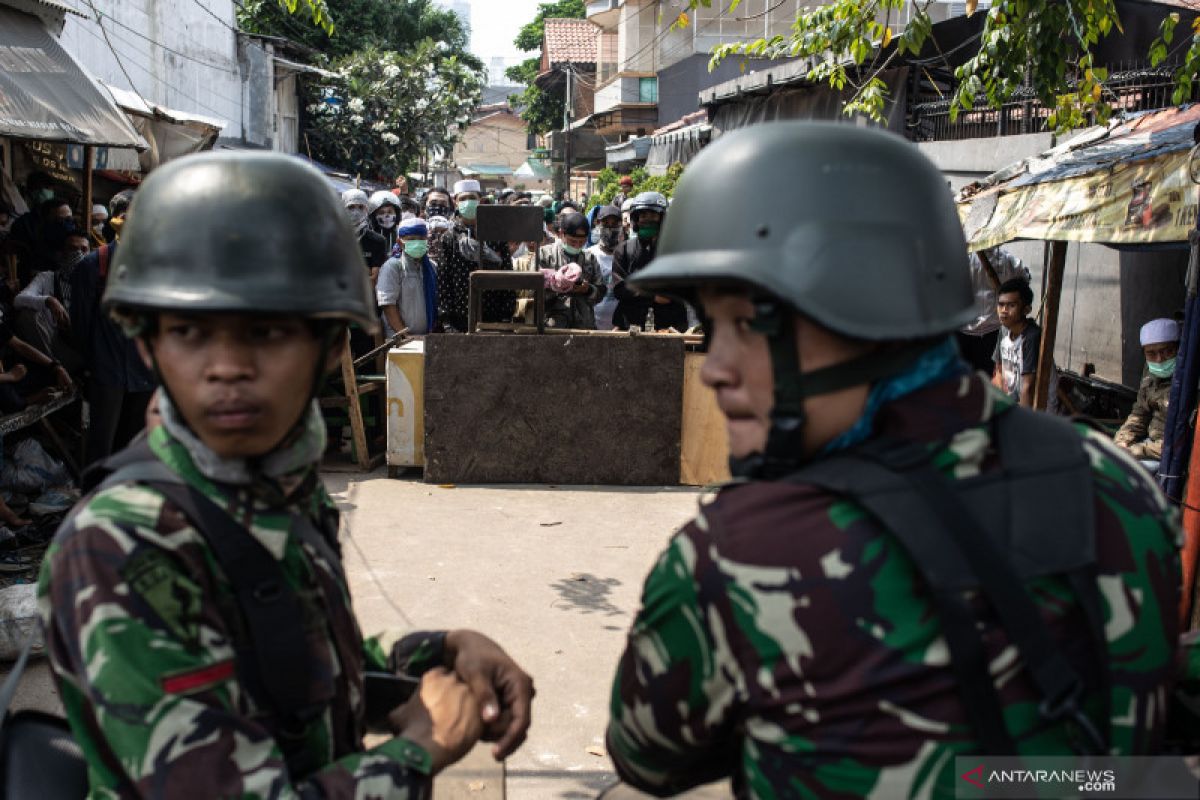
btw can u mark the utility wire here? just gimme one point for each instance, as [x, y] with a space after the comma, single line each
[212, 14]
[166, 84]
[162, 46]
[112, 50]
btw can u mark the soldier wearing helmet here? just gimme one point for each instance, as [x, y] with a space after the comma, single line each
[197, 616]
[908, 566]
[647, 212]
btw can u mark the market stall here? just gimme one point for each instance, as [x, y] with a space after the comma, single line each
[1129, 185]
[50, 102]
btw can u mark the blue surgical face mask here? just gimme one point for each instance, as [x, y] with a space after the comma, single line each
[571, 251]
[1162, 369]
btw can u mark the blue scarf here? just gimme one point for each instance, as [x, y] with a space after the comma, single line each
[939, 363]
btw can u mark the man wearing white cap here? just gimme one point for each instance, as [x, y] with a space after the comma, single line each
[457, 253]
[1142, 433]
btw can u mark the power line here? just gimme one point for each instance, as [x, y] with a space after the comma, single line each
[134, 47]
[210, 12]
[162, 46]
[149, 72]
[112, 50]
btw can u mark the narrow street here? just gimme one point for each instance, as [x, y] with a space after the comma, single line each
[552, 574]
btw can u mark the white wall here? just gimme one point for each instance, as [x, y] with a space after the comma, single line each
[175, 53]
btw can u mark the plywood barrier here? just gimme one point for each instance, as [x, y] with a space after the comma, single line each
[553, 409]
[704, 443]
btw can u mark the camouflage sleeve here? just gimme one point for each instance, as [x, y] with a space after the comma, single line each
[147, 677]
[674, 693]
[411, 654]
[1136, 425]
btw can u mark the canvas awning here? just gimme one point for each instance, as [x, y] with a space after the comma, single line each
[677, 147]
[170, 133]
[633, 150]
[486, 170]
[533, 169]
[1124, 184]
[46, 95]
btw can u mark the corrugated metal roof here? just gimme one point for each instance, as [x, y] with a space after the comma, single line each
[63, 7]
[50, 97]
[51, 12]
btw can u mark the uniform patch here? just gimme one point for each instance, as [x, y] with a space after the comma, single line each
[196, 680]
[177, 600]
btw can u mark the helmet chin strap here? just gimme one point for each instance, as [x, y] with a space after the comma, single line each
[784, 450]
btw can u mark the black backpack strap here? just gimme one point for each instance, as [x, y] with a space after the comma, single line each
[9, 689]
[900, 487]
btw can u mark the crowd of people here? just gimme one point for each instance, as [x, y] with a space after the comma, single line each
[50, 315]
[838, 621]
[421, 254]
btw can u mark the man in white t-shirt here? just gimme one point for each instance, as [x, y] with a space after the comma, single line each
[608, 236]
[1017, 350]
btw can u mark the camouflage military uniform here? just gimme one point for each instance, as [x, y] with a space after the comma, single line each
[786, 640]
[142, 628]
[1147, 420]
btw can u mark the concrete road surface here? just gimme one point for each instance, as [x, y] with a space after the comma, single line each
[553, 574]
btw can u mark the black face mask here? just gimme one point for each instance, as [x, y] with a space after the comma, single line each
[437, 210]
[610, 237]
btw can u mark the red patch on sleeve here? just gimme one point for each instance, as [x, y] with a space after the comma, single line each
[201, 678]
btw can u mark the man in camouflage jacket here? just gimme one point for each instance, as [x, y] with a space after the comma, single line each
[145, 630]
[786, 639]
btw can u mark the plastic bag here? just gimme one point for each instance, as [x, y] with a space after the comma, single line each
[31, 469]
[20, 621]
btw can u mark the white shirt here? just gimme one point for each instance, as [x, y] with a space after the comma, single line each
[606, 307]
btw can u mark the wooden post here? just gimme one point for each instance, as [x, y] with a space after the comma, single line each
[989, 270]
[89, 156]
[1054, 281]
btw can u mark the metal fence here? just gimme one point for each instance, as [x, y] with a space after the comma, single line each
[1129, 88]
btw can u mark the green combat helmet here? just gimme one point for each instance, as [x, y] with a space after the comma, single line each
[851, 227]
[242, 232]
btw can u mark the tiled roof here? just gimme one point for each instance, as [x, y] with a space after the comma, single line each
[569, 41]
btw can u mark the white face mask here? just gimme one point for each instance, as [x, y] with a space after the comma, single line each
[386, 220]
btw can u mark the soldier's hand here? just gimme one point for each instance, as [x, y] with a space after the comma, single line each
[504, 690]
[443, 717]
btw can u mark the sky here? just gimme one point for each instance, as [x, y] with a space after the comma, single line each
[494, 25]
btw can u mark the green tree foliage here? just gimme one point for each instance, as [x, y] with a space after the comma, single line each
[541, 110]
[383, 109]
[360, 24]
[530, 36]
[317, 10]
[1048, 45]
[608, 184]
